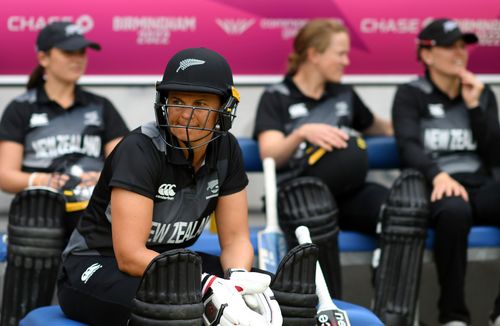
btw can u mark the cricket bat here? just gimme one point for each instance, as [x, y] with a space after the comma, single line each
[271, 242]
[328, 312]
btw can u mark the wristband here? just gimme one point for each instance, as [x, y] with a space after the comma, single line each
[229, 271]
[31, 179]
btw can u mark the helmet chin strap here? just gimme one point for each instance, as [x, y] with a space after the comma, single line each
[190, 150]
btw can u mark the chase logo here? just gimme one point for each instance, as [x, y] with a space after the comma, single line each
[166, 191]
[436, 110]
[186, 63]
[91, 119]
[212, 189]
[90, 271]
[39, 119]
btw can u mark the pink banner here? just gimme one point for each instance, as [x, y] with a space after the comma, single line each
[139, 36]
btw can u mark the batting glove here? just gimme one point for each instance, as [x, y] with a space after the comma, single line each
[257, 294]
[224, 304]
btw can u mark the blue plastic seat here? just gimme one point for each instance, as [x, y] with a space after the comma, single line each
[208, 242]
[382, 153]
[50, 315]
[358, 315]
[251, 155]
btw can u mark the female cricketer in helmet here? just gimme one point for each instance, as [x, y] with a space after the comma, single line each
[157, 191]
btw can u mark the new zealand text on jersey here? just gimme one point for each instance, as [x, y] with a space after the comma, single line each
[449, 140]
[55, 146]
[178, 232]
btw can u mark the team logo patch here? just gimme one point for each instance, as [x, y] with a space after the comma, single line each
[449, 26]
[298, 110]
[166, 191]
[90, 271]
[91, 119]
[186, 63]
[436, 110]
[73, 30]
[39, 119]
[212, 189]
[342, 108]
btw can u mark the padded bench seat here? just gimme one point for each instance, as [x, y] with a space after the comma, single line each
[53, 316]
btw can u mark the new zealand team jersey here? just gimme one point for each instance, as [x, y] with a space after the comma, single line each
[53, 137]
[183, 199]
[435, 133]
[283, 107]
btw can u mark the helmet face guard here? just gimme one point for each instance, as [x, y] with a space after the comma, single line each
[225, 116]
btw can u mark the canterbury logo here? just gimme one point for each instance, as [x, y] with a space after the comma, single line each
[186, 63]
[235, 26]
[90, 271]
[166, 191]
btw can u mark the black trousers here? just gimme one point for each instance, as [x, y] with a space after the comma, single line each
[102, 294]
[359, 209]
[452, 219]
[496, 307]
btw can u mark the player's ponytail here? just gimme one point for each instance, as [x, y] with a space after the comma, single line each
[36, 77]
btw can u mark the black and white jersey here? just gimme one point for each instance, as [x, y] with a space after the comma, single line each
[436, 133]
[183, 199]
[53, 137]
[283, 107]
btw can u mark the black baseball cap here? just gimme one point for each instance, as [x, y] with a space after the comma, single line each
[444, 32]
[65, 36]
[198, 70]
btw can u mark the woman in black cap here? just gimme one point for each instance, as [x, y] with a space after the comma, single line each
[54, 135]
[157, 191]
[56, 131]
[446, 126]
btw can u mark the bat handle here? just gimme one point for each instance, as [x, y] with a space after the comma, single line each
[269, 166]
[303, 236]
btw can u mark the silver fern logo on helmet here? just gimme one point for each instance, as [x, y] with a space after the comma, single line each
[186, 63]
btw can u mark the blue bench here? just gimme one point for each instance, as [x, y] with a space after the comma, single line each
[53, 316]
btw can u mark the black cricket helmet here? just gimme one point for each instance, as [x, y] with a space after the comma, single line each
[198, 70]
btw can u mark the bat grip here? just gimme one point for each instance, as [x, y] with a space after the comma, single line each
[325, 302]
[269, 167]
